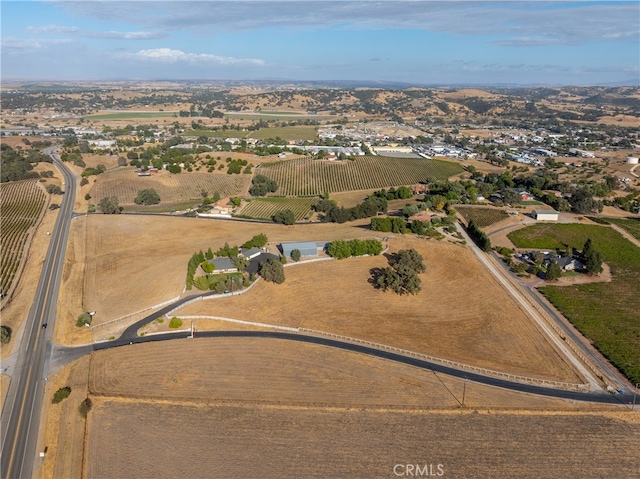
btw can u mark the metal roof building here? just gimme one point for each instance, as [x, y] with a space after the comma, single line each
[307, 248]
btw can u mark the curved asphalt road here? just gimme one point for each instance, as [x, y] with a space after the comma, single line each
[21, 411]
[594, 397]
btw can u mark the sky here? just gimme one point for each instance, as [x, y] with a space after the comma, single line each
[417, 42]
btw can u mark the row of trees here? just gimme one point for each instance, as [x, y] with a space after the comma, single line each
[339, 214]
[341, 249]
[478, 236]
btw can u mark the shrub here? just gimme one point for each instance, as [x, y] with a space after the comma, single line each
[61, 394]
[54, 190]
[85, 407]
[5, 334]
[84, 318]
[175, 323]
[84, 181]
[296, 254]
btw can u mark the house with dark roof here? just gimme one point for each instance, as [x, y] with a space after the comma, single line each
[223, 265]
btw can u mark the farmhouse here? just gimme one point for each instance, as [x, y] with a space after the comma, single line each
[223, 265]
[307, 248]
[545, 215]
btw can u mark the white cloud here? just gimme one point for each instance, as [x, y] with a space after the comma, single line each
[557, 22]
[112, 34]
[169, 55]
[22, 45]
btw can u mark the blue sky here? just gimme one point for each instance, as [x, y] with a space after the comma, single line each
[422, 42]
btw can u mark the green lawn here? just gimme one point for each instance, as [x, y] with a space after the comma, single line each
[216, 134]
[606, 313]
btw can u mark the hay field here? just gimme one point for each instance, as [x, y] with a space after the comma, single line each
[133, 262]
[125, 183]
[461, 313]
[126, 439]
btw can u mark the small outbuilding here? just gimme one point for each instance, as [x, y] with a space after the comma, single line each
[545, 215]
[307, 248]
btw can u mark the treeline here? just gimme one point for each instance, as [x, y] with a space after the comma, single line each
[478, 236]
[388, 224]
[402, 193]
[341, 249]
[339, 214]
[192, 266]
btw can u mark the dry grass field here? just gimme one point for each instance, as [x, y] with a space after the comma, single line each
[125, 184]
[129, 439]
[133, 262]
[453, 317]
[283, 373]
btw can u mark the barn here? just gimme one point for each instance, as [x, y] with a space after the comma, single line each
[307, 248]
[545, 215]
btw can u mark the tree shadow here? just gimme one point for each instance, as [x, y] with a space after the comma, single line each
[375, 274]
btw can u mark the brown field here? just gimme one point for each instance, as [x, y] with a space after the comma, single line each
[125, 184]
[128, 439]
[284, 373]
[453, 317]
[133, 262]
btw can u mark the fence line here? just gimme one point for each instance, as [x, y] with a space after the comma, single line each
[159, 305]
[240, 321]
[551, 322]
[453, 364]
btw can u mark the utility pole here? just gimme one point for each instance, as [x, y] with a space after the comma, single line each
[464, 389]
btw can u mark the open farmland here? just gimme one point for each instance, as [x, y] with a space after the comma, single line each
[606, 313]
[313, 177]
[482, 216]
[631, 225]
[130, 115]
[125, 184]
[21, 206]
[452, 317]
[265, 208]
[308, 133]
[145, 440]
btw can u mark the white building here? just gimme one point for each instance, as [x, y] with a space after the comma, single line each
[545, 215]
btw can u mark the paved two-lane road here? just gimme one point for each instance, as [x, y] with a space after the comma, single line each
[22, 408]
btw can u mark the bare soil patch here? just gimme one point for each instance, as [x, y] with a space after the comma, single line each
[461, 313]
[163, 440]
